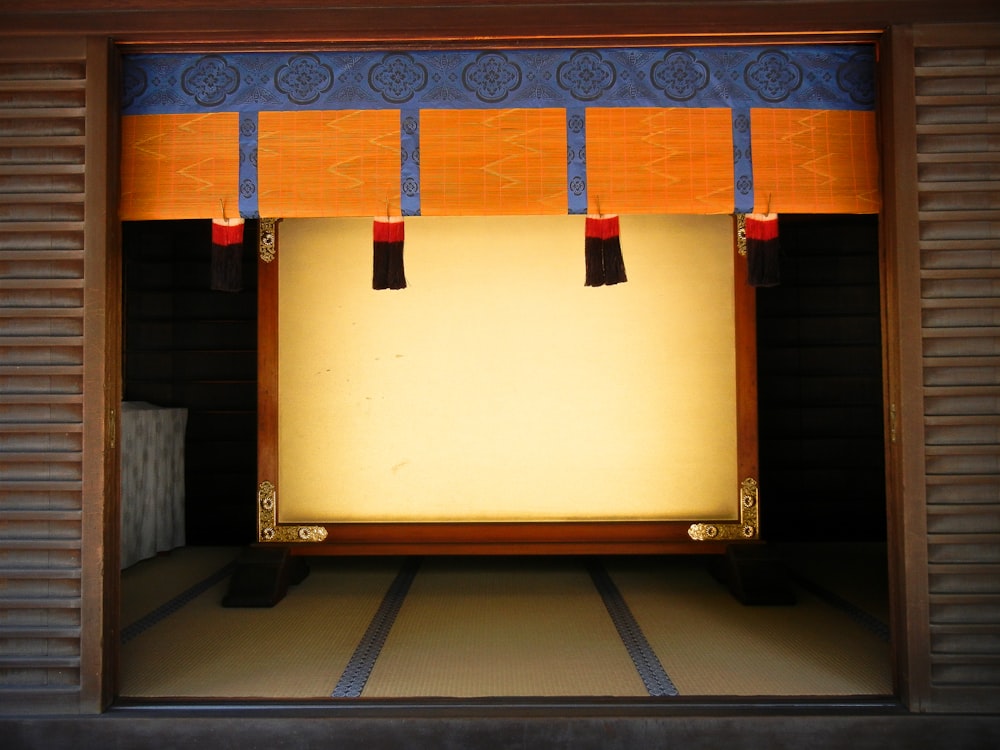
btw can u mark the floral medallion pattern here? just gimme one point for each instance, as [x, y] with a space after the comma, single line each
[397, 78]
[210, 80]
[856, 78]
[680, 75]
[586, 75]
[492, 77]
[773, 76]
[303, 79]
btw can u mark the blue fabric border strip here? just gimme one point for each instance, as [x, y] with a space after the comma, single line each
[743, 192]
[799, 76]
[249, 130]
[409, 167]
[576, 160]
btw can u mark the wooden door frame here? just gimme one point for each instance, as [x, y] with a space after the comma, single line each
[899, 264]
[902, 377]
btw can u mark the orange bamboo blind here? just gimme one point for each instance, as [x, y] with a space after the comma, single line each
[814, 161]
[499, 162]
[651, 160]
[493, 162]
[329, 163]
[179, 166]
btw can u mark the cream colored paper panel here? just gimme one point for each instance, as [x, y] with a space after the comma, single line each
[497, 387]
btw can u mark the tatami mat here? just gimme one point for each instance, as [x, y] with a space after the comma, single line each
[294, 650]
[855, 572]
[503, 627]
[145, 586]
[712, 645]
[452, 627]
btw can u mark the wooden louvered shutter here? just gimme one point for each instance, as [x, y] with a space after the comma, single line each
[950, 218]
[54, 134]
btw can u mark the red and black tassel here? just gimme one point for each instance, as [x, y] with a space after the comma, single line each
[388, 271]
[603, 252]
[227, 255]
[763, 250]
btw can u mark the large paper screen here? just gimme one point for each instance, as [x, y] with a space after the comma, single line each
[497, 387]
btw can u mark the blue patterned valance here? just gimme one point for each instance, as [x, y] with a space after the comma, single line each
[809, 77]
[819, 77]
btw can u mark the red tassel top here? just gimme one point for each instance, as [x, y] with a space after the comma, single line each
[603, 227]
[227, 232]
[388, 231]
[761, 226]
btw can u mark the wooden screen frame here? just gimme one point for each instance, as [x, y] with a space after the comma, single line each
[485, 538]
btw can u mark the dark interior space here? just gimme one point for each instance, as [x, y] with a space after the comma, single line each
[820, 385]
[819, 364]
[189, 346]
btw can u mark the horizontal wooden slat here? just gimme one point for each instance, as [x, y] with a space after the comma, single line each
[59, 311]
[39, 544]
[929, 187]
[954, 216]
[41, 226]
[35, 112]
[925, 70]
[964, 548]
[41, 84]
[965, 519]
[7, 141]
[966, 610]
[39, 603]
[39, 662]
[41, 633]
[929, 100]
[11, 199]
[963, 434]
[39, 515]
[973, 303]
[50, 427]
[36, 574]
[967, 673]
[956, 157]
[981, 578]
[965, 639]
[32, 170]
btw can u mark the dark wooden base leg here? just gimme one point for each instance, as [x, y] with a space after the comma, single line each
[754, 575]
[262, 576]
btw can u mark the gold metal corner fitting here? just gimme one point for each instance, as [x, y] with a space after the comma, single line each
[267, 239]
[268, 530]
[741, 234]
[746, 529]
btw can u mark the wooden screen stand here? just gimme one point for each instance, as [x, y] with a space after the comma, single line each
[262, 576]
[754, 575]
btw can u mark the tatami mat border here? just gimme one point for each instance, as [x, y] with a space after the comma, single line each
[165, 610]
[653, 675]
[863, 618]
[359, 668]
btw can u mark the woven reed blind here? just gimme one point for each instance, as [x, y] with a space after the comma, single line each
[329, 163]
[815, 161]
[179, 166]
[499, 162]
[650, 160]
[493, 162]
